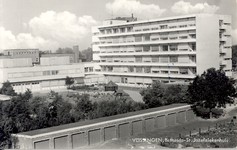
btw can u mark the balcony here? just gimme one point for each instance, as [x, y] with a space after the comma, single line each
[126, 63]
[222, 50]
[223, 38]
[152, 29]
[223, 63]
[151, 74]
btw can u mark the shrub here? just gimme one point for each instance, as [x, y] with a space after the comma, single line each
[203, 112]
[217, 112]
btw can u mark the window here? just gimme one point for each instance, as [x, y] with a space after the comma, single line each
[138, 38]
[193, 46]
[155, 71]
[165, 38]
[146, 48]
[183, 71]
[129, 29]
[147, 69]
[122, 30]
[110, 68]
[155, 48]
[165, 48]
[164, 72]
[173, 38]
[155, 28]
[163, 27]
[54, 72]
[183, 26]
[174, 72]
[173, 47]
[183, 37]
[115, 30]
[155, 59]
[147, 37]
[37, 59]
[138, 69]
[46, 73]
[172, 27]
[173, 59]
[130, 69]
[138, 59]
[124, 80]
[164, 59]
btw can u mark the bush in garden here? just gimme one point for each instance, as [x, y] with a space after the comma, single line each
[217, 112]
[203, 112]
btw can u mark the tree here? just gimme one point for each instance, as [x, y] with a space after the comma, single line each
[212, 89]
[83, 106]
[40, 112]
[16, 114]
[176, 94]
[234, 56]
[88, 54]
[69, 81]
[153, 96]
[7, 89]
[65, 50]
[59, 111]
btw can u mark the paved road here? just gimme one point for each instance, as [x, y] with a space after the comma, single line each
[135, 95]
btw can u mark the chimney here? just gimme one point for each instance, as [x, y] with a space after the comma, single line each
[132, 15]
[76, 53]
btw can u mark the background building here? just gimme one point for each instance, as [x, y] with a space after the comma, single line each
[168, 50]
[23, 53]
[50, 74]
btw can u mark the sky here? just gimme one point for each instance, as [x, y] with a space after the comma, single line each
[50, 24]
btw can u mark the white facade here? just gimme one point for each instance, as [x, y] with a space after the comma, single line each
[169, 49]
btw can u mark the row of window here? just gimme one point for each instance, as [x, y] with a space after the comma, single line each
[35, 52]
[149, 37]
[42, 73]
[149, 26]
[161, 59]
[27, 84]
[147, 69]
[147, 48]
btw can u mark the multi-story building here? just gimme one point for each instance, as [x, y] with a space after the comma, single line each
[167, 49]
[23, 53]
[50, 74]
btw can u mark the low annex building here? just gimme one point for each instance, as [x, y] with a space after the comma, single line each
[48, 74]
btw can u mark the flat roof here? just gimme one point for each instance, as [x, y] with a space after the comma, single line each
[148, 20]
[99, 120]
[21, 49]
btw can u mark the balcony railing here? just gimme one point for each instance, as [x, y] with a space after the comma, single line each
[156, 27]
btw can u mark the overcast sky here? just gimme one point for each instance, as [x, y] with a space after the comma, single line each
[50, 24]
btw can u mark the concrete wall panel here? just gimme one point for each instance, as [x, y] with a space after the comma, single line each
[149, 124]
[110, 133]
[61, 142]
[41, 144]
[171, 119]
[190, 115]
[78, 140]
[137, 127]
[161, 123]
[124, 130]
[94, 136]
[181, 117]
